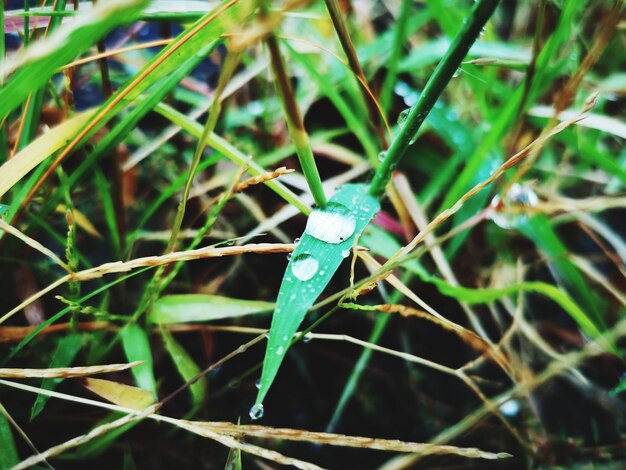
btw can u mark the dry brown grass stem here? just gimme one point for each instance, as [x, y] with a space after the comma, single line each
[64, 372]
[510, 163]
[153, 261]
[229, 434]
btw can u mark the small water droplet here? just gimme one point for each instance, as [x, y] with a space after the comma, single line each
[332, 224]
[307, 338]
[482, 31]
[457, 72]
[402, 117]
[510, 408]
[304, 266]
[230, 242]
[257, 411]
[257, 384]
[322, 272]
[412, 141]
[515, 208]
[296, 240]
[280, 350]
[345, 253]
[289, 255]
[381, 156]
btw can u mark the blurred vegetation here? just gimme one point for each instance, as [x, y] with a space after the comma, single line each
[159, 162]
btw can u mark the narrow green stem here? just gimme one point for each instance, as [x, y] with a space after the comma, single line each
[341, 29]
[444, 72]
[399, 37]
[295, 124]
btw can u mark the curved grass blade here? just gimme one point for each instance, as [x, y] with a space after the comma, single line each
[186, 367]
[137, 348]
[327, 239]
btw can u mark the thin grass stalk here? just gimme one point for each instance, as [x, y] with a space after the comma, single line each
[295, 124]
[472, 26]
[228, 68]
[530, 74]
[341, 29]
[399, 38]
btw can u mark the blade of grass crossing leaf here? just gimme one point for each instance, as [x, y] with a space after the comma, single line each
[233, 461]
[8, 451]
[325, 243]
[137, 348]
[64, 354]
[186, 367]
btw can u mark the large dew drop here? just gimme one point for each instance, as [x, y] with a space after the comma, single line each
[402, 117]
[515, 208]
[332, 224]
[304, 266]
[256, 412]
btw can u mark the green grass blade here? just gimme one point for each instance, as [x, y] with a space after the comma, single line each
[238, 157]
[483, 153]
[8, 451]
[540, 231]
[381, 243]
[64, 355]
[472, 26]
[233, 461]
[16, 168]
[327, 239]
[137, 348]
[354, 122]
[186, 367]
[185, 308]
[37, 63]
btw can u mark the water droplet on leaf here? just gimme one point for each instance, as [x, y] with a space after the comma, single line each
[304, 266]
[515, 208]
[345, 253]
[257, 411]
[257, 384]
[457, 72]
[381, 156]
[332, 224]
[402, 117]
